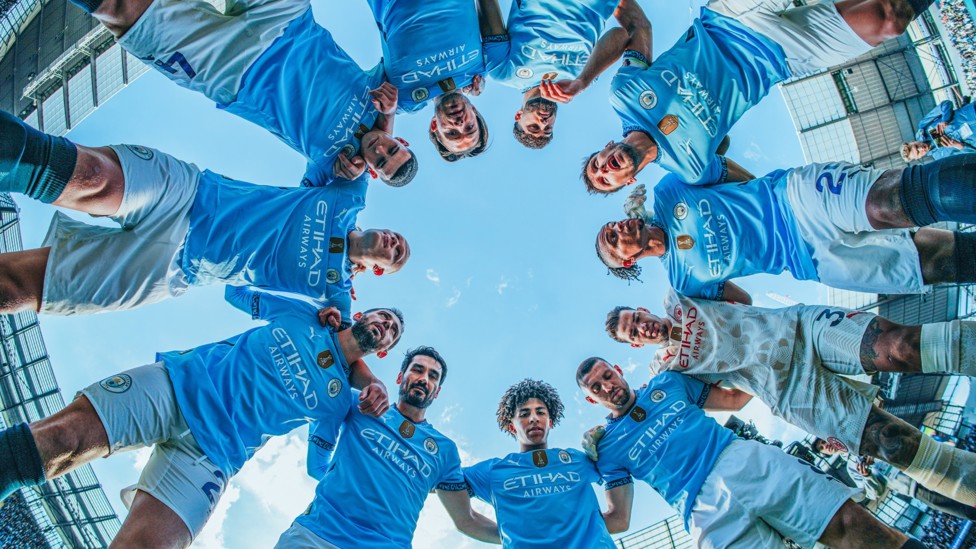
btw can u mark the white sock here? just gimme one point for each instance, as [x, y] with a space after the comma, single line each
[945, 469]
[940, 347]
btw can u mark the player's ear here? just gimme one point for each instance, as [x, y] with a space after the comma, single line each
[377, 270]
[518, 115]
[511, 428]
[372, 172]
[637, 345]
[643, 309]
[629, 262]
[631, 181]
[590, 400]
[619, 371]
[433, 124]
[357, 316]
[402, 141]
[400, 378]
[381, 354]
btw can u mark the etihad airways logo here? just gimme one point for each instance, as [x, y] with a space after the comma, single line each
[441, 64]
[542, 484]
[698, 100]
[313, 246]
[716, 236]
[345, 129]
[656, 433]
[291, 369]
[397, 453]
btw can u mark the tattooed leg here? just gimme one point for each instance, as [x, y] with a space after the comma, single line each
[889, 438]
[890, 347]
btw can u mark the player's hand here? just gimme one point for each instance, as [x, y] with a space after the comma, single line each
[590, 440]
[385, 98]
[373, 401]
[349, 168]
[947, 141]
[331, 317]
[562, 91]
[940, 128]
[864, 464]
[476, 86]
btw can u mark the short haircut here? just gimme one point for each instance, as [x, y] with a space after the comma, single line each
[613, 322]
[585, 367]
[399, 316]
[590, 188]
[624, 273]
[815, 446]
[479, 148]
[405, 174]
[530, 141]
[905, 151]
[518, 394]
[424, 350]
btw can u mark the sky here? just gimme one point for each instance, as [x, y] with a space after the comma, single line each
[503, 279]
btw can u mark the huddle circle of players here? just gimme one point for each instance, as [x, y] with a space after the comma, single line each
[207, 410]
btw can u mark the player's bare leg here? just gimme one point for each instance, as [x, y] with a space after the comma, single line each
[97, 184]
[151, 524]
[878, 20]
[22, 280]
[890, 347]
[855, 528]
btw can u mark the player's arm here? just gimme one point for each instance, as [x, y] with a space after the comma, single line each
[725, 400]
[734, 293]
[468, 521]
[321, 449]
[620, 502]
[384, 99]
[490, 18]
[639, 34]
[941, 113]
[262, 305]
[373, 400]
[737, 173]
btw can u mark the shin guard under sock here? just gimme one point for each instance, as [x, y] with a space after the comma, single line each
[945, 470]
[33, 163]
[20, 462]
[944, 190]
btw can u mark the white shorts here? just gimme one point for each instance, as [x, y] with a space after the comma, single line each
[758, 494]
[138, 409]
[816, 396]
[828, 202]
[299, 537]
[198, 47]
[813, 37]
[93, 269]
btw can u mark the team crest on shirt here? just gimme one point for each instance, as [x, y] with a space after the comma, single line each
[834, 442]
[407, 429]
[337, 245]
[564, 457]
[325, 359]
[419, 94]
[140, 151]
[638, 414]
[116, 384]
[668, 124]
[685, 242]
[539, 458]
[332, 276]
[524, 72]
[658, 395]
[680, 211]
[431, 446]
[348, 150]
[648, 99]
[334, 387]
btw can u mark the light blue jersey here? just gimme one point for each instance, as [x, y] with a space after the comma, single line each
[430, 47]
[553, 37]
[383, 470]
[281, 238]
[714, 233]
[666, 440]
[309, 93]
[691, 95]
[960, 126]
[542, 499]
[236, 394]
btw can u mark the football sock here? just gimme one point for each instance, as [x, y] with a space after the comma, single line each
[34, 163]
[20, 463]
[949, 348]
[944, 469]
[920, 5]
[944, 190]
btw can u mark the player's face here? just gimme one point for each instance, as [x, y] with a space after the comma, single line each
[828, 448]
[377, 330]
[917, 150]
[606, 385]
[385, 249]
[613, 167]
[383, 153]
[532, 423]
[420, 383]
[621, 240]
[640, 327]
[537, 117]
[455, 123]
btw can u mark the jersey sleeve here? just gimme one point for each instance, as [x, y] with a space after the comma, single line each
[695, 390]
[478, 478]
[263, 305]
[717, 171]
[452, 479]
[322, 439]
[497, 49]
[613, 473]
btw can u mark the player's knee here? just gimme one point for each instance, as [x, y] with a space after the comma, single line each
[22, 280]
[901, 345]
[894, 16]
[98, 176]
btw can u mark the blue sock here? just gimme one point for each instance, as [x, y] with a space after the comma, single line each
[944, 190]
[91, 5]
[20, 462]
[34, 163]
[920, 5]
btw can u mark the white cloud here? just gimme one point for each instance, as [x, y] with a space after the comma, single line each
[502, 286]
[433, 276]
[448, 414]
[455, 297]
[212, 535]
[753, 151]
[630, 366]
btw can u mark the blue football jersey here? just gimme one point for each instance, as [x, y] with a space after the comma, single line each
[546, 37]
[309, 93]
[691, 95]
[429, 47]
[542, 499]
[381, 473]
[289, 239]
[715, 233]
[666, 440]
[238, 393]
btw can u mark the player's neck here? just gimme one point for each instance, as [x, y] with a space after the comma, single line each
[645, 145]
[412, 413]
[351, 351]
[528, 447]
[625, 408]
[657, 243]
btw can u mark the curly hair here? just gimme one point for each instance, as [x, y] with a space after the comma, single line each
[629, 274]
[520, 393]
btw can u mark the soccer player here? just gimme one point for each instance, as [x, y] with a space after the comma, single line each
[841, 224]
[432, 51]
[547, 40]
[542, 496]
[372, 493]
[794, 360]
[730, 492]
[206, 411]
[180, 227]
[676, 109]
[284, 73]
[944, 131]
[876, 484]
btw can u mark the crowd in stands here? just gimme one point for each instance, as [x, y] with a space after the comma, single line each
[18, 529]
[962, 31]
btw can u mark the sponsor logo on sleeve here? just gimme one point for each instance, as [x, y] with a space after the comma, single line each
[116, 384]
[648, 99]
[685, 242]
[565, 457]
[334, 387]
[668, 124]
[431, 446]
[638, 414]
[539, 458]
[407, 429]
[325, 359]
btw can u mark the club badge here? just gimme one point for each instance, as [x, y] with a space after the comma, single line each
[524, 72]
[140, 151]
[539, 458]
[565, 457]
[337, 245]
[685, 242]
[116, 384]
[325, 359]
[334, 387]
[680, 211]
[419, 94]
[407, 429]
[668, 124]
[648, 99]
[431, 446]
[332, 276]
[638, 414]
[658, 395]
[348, 150]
